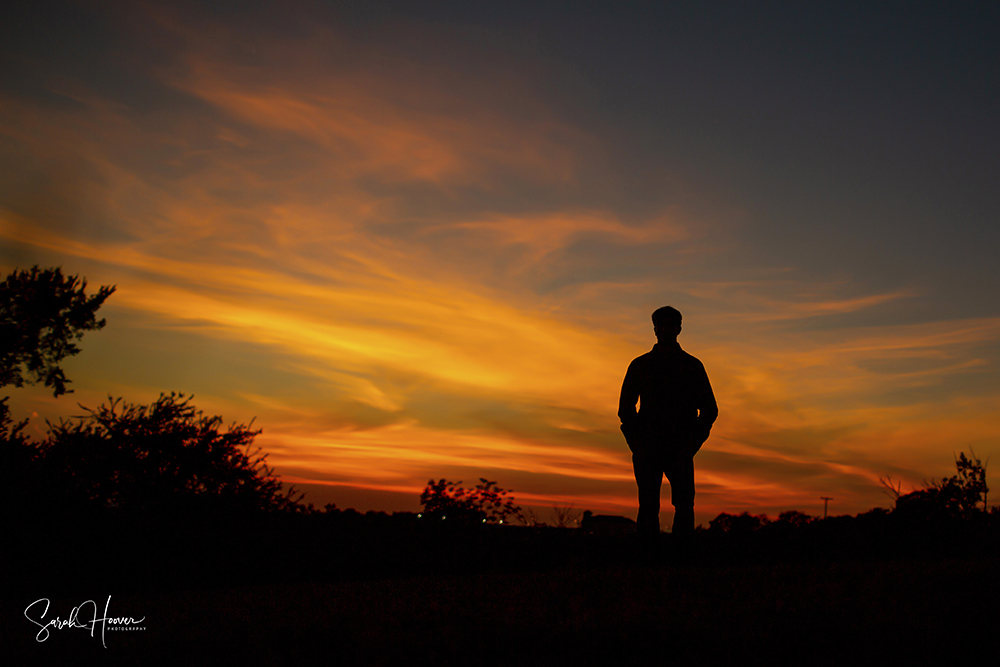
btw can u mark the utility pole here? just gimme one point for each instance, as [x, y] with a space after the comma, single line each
[826, 502]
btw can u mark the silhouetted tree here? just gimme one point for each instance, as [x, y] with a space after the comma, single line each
[11, 432]
[18, 467]
[166, 457]
[528, 517]
[565, 516]
[794, 519]
[42, 313]
[962, 496]
[970, 482]
[487, 503]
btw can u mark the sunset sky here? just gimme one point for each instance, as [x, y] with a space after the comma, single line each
[421, 240]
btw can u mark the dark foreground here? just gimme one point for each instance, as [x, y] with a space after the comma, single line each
[505, 596]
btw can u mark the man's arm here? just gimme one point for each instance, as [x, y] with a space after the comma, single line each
[629, 397]
[708, 409]
[631, 388]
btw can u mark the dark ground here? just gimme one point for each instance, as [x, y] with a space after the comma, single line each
[403, 594]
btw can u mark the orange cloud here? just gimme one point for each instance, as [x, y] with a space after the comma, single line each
[409, 129]
[320, 210]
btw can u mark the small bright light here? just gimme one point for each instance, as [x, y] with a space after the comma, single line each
[420, 516]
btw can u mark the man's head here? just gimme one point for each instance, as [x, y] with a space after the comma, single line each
[666, 323]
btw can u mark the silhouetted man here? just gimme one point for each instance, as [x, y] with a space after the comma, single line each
[676, 411]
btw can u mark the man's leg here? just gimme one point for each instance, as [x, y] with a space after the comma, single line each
[648, 478]
[680, 474]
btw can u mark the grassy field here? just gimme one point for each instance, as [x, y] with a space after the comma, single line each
[877, 613]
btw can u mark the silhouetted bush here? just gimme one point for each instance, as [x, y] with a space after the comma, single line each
[163, 458]
[956, 498]
[487, 503]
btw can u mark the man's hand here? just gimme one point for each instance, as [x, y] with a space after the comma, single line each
[636, 438]
[700, 435]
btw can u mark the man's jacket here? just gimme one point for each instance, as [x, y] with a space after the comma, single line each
[676, 405]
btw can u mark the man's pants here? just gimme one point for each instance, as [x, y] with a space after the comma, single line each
[649, 471]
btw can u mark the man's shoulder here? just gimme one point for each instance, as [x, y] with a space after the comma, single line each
[644, 357]
[642, 360]
[694, 367]
[657, 357]
[694, 363]
[690, 358]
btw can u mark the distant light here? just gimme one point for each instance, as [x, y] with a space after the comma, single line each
[420, 516]
[484, 520]
[501, 520]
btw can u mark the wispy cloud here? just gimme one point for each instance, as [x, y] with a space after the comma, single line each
[433, 281]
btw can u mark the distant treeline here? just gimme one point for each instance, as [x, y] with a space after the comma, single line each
[161, 495]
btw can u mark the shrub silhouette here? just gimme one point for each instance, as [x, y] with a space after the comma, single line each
[960, 497]
[166, 457]
[487, 503]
